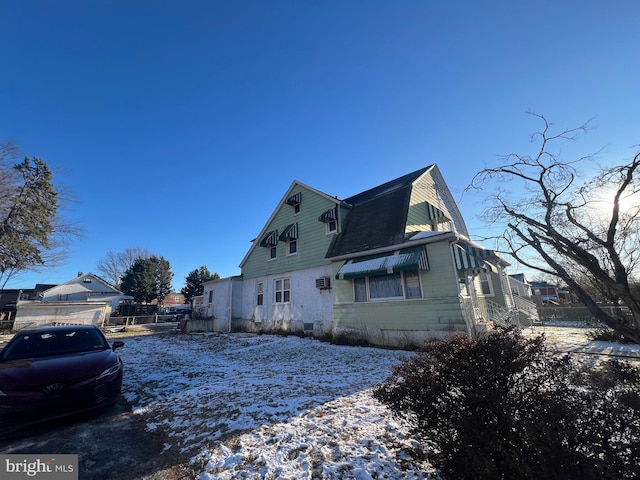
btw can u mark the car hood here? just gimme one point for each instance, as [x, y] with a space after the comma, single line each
[65, 368]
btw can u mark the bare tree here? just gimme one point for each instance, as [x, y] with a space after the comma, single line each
[114, 265]
[578, 230]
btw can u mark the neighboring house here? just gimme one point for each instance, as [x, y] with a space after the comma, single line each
[520, 286]
[85, 287]
[523, 299]
[549, 293]
[393, 264]
[84, 299]
[9, 299]
[172, 300]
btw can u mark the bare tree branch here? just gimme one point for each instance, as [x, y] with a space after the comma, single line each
[551, 224]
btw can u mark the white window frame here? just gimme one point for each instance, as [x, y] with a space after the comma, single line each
[272, 253]
[367, 290]
[327, 227]
[485, 279]
[405, 286]
[281, 291]
[260, 294]
[290, 242]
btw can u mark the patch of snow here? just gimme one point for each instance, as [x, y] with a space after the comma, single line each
[261, 406]
[428, 234]
[250, 406]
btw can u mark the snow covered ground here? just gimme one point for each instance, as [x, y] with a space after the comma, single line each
[249, 406]
[267, 407]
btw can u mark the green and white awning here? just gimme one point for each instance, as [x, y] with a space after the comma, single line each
[294, 199]
[270, 239]
[414, 258]
[434, 213]
[328, 216]
[472, 259]
[289, 233]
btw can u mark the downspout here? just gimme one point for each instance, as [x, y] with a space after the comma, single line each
[230, 303]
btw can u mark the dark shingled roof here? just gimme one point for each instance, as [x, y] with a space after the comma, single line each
[378, 217]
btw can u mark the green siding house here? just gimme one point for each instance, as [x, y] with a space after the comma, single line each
[392, 265]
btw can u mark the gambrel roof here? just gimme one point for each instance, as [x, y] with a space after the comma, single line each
[379, 216]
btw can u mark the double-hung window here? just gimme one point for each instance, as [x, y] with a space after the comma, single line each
[412, 284]
[292, 246]
[282, 290]
[260, 299]
[360, 289]
[485, 284]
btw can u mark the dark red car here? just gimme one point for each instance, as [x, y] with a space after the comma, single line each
[53, 371]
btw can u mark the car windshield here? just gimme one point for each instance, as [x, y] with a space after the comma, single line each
[51, 342]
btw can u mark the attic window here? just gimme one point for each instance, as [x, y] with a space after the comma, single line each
[328, 216]
[436, 216]
[86, 280]
[294, 201]
[270, 239]
[290, 232]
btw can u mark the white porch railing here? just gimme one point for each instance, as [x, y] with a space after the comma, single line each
[527, 308]
[485, 311]
[524, 314]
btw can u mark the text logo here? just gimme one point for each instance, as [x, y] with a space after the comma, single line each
[49, 467]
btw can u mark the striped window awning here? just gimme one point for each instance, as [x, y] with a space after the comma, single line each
[414, 258]
[472, 259]
[328, 216]
[289, 233]
[270, 239]
[434, 213]
[294, 199]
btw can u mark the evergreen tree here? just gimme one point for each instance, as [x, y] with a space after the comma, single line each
[193, 282]
[33, 230]
[28, 207]
[148, 279]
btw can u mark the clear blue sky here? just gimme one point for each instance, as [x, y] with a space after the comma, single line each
[179, 125]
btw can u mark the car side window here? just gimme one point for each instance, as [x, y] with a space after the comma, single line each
[22, 348]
